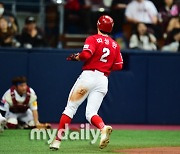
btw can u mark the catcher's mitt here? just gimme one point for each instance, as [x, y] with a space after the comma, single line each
[43, 126]
[72, 57]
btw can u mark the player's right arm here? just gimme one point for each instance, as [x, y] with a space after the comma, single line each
[118, 63]
[6, 100]
[4, 106]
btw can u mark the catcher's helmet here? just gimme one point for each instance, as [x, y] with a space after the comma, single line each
[105, 23]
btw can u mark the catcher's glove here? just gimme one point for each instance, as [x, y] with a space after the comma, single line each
[72, 57]
[43, 126]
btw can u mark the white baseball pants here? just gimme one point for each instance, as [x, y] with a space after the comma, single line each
[26, 117]
[92, 85]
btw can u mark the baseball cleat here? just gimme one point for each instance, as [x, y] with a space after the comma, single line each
[105, 135]
[55, 145]
[2, 123]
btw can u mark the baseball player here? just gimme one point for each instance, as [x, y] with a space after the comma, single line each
[20, 104]
[101, 55]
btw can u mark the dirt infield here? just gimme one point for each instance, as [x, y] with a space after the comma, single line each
[157, 150]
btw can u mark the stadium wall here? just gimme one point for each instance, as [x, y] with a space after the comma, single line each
[147, 91]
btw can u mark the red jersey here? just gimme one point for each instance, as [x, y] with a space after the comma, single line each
[104, 56]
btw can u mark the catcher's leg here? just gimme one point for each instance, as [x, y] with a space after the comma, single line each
[12, 121]
[28, 119]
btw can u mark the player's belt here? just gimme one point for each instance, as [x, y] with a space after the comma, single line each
[94, 70]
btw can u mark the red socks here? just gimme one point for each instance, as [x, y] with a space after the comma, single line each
[97, 121]
[63, 120]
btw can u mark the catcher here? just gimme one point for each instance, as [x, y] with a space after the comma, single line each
[20, 104]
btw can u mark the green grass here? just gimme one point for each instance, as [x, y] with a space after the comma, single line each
[17, 141]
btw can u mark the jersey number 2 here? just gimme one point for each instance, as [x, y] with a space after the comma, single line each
[106, 52]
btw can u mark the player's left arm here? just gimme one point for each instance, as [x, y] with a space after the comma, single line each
[118, 63]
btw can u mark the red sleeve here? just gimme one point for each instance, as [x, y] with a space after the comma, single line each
[89, 45]
[84, 55]
[88, 49]
[118, 63]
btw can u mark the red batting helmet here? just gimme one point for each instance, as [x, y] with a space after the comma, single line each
[105, 23]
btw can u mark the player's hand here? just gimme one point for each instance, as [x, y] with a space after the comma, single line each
[43, 126]
[73, 57]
